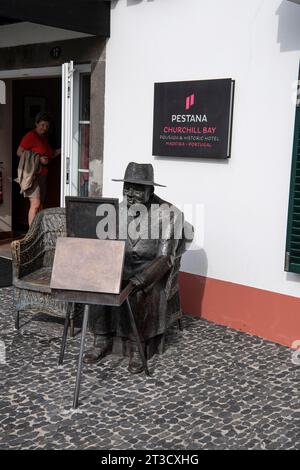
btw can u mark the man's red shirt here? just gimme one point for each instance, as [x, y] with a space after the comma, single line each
[39, 144]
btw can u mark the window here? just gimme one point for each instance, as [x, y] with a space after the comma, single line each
[292, 257]
[84, 136]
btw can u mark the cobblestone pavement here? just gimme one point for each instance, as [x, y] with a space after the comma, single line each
[214, 388]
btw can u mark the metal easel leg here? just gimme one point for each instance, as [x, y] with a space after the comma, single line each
[138, 340]
[17, 320]
[72, 330]
[79, 366]
[64, 338]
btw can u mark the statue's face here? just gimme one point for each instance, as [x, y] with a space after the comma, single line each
[137, 193]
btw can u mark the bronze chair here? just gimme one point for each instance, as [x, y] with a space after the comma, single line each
[32, 259]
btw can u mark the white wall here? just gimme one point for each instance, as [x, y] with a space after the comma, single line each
[18, 34]
[6, 158]
[245, 200]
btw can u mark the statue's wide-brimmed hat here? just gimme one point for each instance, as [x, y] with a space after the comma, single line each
[140, 173]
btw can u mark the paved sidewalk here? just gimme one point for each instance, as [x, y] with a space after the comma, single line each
[214, 388]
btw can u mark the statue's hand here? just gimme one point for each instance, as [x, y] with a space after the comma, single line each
[152, 274]
[137, 283]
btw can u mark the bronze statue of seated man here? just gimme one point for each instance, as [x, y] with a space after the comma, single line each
[155, 241]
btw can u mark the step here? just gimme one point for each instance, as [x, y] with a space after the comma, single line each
[5, 270]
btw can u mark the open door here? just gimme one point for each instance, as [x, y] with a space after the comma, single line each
[75, 131]
[66, 130]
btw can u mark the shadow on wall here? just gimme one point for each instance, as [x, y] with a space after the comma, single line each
[192, 287]
[195, 260]
[288, 26]
[187, 160]
[293, 277]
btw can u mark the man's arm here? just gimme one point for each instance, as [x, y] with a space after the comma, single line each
[20, 151]
[153, 273]
[43, 159]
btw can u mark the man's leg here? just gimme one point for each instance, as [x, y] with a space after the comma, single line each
[33, 210]
[101, 323]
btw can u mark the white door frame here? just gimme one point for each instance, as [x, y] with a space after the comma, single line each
[40, 72]
[30, 73]
[70, 128]
[67, 132]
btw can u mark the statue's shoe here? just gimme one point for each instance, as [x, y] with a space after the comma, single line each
[94, 355]
[102, 347]
[135, 363]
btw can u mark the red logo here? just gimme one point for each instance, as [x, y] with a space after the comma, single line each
[189, 102]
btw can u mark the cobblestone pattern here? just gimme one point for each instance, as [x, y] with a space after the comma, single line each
[214, 388]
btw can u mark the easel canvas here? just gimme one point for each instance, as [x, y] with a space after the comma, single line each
[88, 265]
[82, 218]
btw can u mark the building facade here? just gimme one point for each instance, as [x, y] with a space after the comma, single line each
[235, 273]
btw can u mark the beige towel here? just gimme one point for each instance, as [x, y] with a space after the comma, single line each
[28, 169]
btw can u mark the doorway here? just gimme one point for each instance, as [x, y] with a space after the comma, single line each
[30, 96]
[65, 92]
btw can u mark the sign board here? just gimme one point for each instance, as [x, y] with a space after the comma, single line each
[193, 119]
[88, 265]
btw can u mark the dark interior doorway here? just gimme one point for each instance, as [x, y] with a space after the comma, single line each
[29, 97]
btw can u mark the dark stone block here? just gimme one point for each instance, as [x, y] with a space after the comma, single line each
[5, 272]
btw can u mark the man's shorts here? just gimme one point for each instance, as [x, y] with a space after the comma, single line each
[38, 189]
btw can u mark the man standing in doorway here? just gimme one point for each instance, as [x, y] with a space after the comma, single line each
[36, 141]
